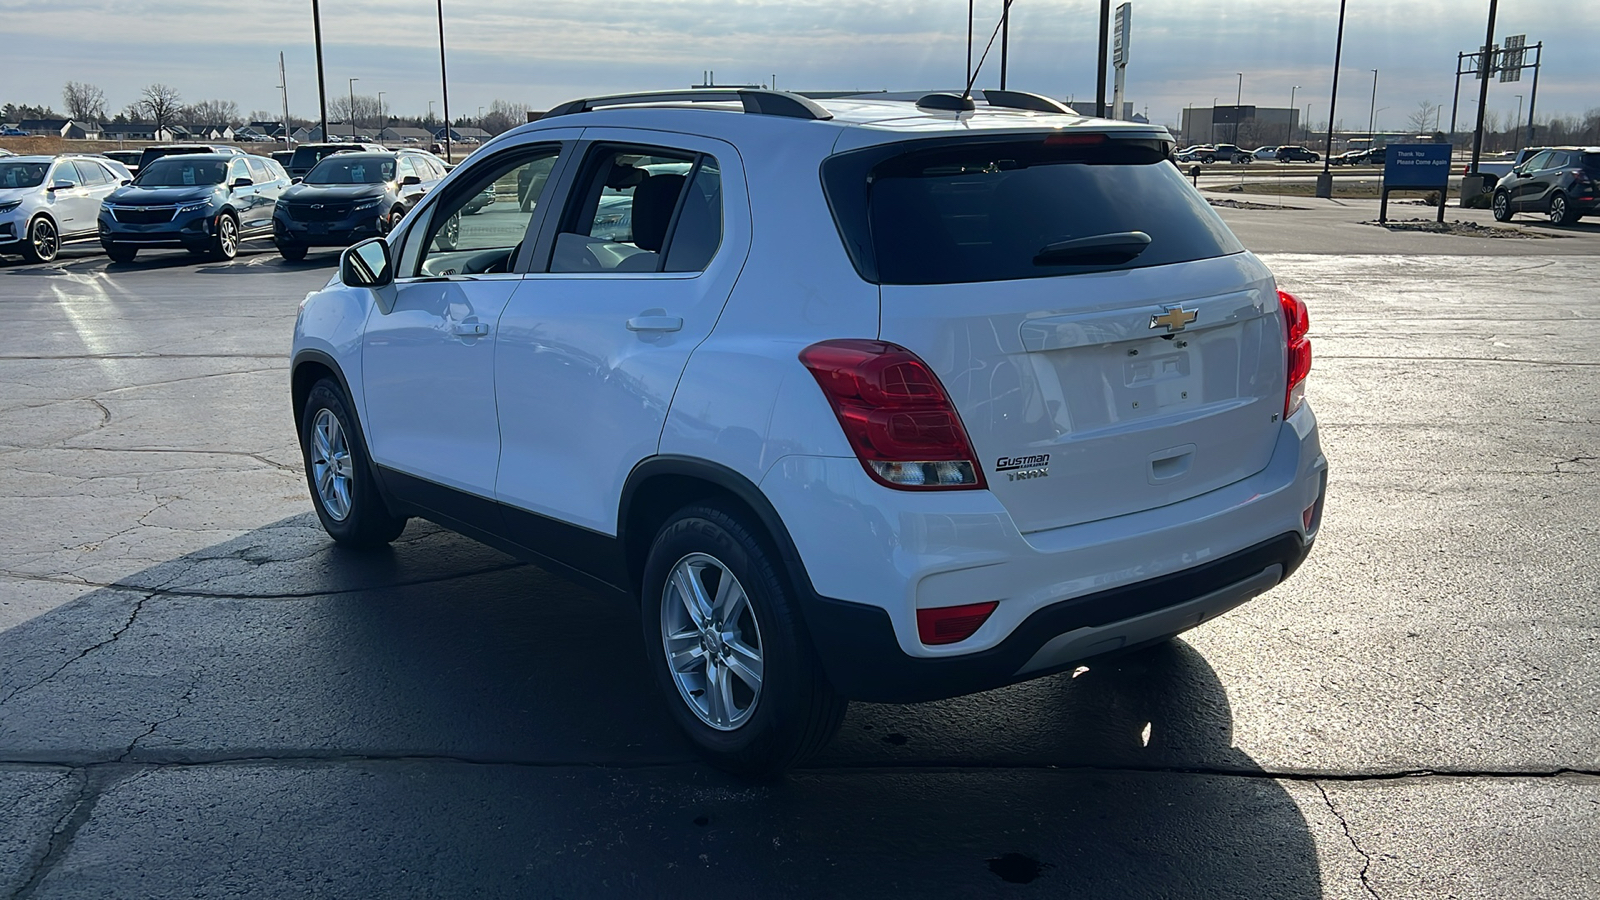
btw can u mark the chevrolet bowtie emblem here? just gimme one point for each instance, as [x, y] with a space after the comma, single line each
[1174, 319]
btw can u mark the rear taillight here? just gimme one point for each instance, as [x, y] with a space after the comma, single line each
[952, 624]
[1296, 322]
[896, 415]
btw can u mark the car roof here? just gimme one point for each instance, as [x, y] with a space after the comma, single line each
[870, 118]
[202, 156]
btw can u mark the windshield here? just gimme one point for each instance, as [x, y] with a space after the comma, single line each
[182, 171]
[22, 174]
[352, 169]
[307, 156]
[963, 211]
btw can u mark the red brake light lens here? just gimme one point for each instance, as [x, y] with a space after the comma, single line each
[950, 624]
[896, 415]
[1297, 323]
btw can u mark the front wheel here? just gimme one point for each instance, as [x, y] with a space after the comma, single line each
[1502, 207]
[1561, 210]
[728, 647]
[120, 253]
[292, 252]
[1208, 160]
[225, 243]
[44, 241]
[337, 470]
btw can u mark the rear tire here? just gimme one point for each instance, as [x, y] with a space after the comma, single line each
[120, 253]
[339, 474]
[726, 633]
[1561, 210]
[1502, 206]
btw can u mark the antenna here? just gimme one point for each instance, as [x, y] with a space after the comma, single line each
[973, 73]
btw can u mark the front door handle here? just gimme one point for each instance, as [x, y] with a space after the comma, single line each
[655, 323]
[470, 329]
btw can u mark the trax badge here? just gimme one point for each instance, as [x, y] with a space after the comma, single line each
[1021, 468]
[1175, 318]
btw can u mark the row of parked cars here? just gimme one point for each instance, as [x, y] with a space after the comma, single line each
[1233, 153]
[208, 199]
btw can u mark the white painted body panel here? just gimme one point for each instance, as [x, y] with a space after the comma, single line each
[901, 550]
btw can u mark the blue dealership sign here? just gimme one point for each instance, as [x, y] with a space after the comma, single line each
[1417, 166]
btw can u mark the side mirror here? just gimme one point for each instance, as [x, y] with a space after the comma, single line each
[366, 265]
[241, 183]
[296, 180]
[410, 180]
[62, 186]
[127, 181]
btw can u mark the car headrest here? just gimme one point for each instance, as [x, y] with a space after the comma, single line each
[653, 202]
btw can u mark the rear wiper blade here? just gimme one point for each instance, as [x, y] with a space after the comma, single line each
[1097, 250]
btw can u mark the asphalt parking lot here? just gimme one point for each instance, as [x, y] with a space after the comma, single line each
[200, 696]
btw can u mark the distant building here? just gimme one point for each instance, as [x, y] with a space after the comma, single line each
[400, 134]
[136, 131]
[464, 133]
[1250, 126]
[67, 128]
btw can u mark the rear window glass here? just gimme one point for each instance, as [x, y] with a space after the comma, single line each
[951, 212]
[1591, 161]
[307, 156]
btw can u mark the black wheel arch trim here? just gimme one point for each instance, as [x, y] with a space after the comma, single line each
[730, 480]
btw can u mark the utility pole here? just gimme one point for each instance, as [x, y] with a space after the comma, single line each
[382, 122]
[1238, 105]
[1289, 131]
[353, 108]
[1100, 76]
[444, 86]
[322, 89]
[1486, 67]
[1372, 112]
[1325, 180]
[283, 85]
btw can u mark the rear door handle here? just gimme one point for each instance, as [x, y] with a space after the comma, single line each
[470, 329]
[655, 323]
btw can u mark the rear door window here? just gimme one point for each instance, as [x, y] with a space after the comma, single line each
[622, 212]
[965, 210]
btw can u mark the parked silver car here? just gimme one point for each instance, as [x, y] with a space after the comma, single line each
[47, 202]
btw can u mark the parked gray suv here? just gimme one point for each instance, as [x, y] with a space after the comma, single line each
[47, 202]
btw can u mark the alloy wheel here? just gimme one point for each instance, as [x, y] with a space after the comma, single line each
[227, 236]
[1558, 210]
[46, 242]
[331, 466]
[712, 641]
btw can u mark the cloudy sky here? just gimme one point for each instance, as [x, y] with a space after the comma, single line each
[1183, 51]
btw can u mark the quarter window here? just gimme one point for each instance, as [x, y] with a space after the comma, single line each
[91, 172]
[259, 171]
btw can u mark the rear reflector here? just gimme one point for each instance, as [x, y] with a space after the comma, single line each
[949, 624]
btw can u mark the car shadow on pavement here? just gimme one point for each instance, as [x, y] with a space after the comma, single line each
[438, 719]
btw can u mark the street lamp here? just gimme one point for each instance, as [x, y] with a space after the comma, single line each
[1516, 135]
[382, 122]
[1238, 102]
[353, 109]
[1373, 109]
[1289, 131]
[1325, 180]
[444, 86]
[322, 90]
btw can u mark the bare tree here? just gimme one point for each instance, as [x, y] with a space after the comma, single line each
[214, 112]
[1422, 118]
[85, 102]
[161, 104]
[504, 115]
[362, 115]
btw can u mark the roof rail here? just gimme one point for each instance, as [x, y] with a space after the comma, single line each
[1025, 100]
[756, 101]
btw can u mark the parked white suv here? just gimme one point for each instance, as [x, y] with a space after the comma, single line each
[873, 398]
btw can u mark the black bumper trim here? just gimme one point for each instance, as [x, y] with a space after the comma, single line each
[864, 661]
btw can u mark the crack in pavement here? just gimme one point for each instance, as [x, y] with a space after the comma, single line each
[182, 703]
[1483, 359]
[132, 615]
[62, 835]
[1366, 861]
[188, 593]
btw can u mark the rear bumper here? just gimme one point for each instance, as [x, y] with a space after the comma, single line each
[873, 556]
[864, 661]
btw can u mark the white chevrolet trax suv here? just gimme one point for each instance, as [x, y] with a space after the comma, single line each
[878, 397]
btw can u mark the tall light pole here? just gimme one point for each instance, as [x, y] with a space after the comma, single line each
[1325, 180]
[1305, 125]
[1238, 102]
[353, 108]
[322, 90]
[1289, 132]
[1373, 110]
[1486, 67]
[444, 86]
[1516, 134]
[382, 122]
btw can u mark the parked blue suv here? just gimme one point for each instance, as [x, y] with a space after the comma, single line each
[204, 202]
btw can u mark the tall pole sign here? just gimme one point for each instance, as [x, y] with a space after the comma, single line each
[1119, 55]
